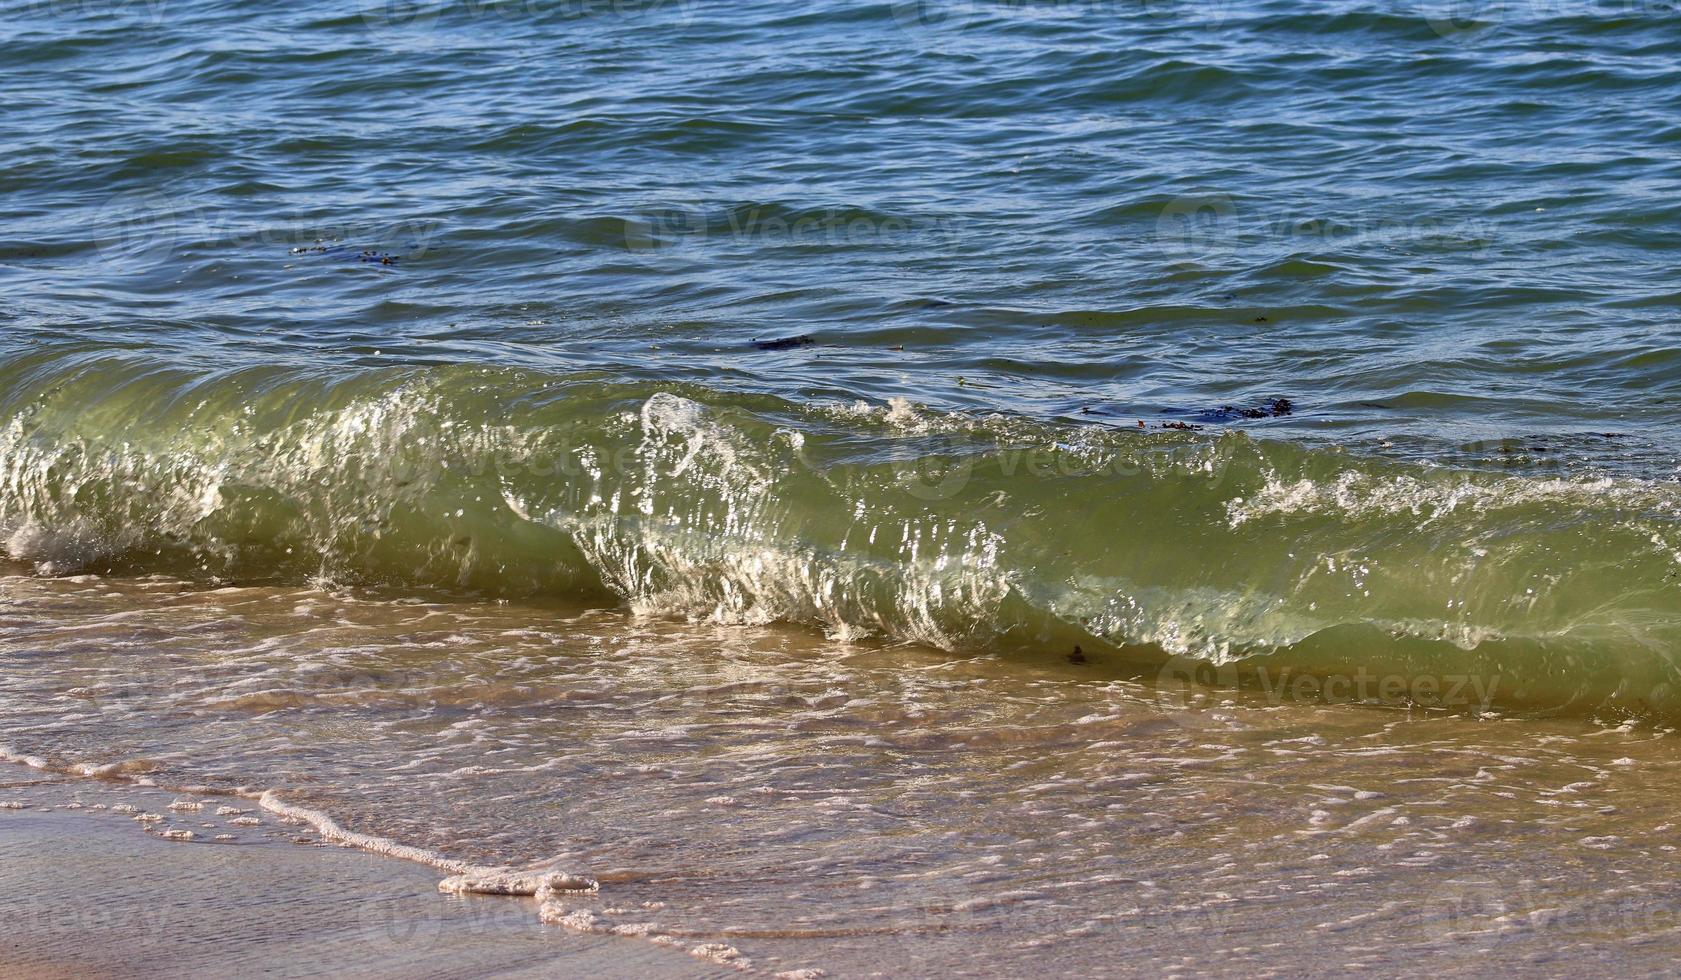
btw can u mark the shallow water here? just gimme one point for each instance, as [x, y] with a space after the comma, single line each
[1090, 486]
[89, 887]
[842, 808]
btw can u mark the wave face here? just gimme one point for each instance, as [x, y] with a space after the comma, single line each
[961, 532]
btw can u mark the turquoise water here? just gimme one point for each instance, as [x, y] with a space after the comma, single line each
[1334, 332]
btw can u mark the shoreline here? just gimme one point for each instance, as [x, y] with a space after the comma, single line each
[90, 891]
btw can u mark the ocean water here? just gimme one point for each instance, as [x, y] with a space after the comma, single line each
[974, 484]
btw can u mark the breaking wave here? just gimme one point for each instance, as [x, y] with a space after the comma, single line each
[985, 533]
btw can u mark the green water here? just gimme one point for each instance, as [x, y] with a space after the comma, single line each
[896, 522]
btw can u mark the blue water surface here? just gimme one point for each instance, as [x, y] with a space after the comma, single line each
[1425, 223]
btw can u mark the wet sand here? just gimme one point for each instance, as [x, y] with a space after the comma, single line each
[92, 893]
[771, 800]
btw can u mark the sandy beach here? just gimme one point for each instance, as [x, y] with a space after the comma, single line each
[91, 893]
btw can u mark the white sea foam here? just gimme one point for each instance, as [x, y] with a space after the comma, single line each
[330, 830]
[505, 882]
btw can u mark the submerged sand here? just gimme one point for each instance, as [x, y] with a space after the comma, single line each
[766, 801]
[93, 892]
